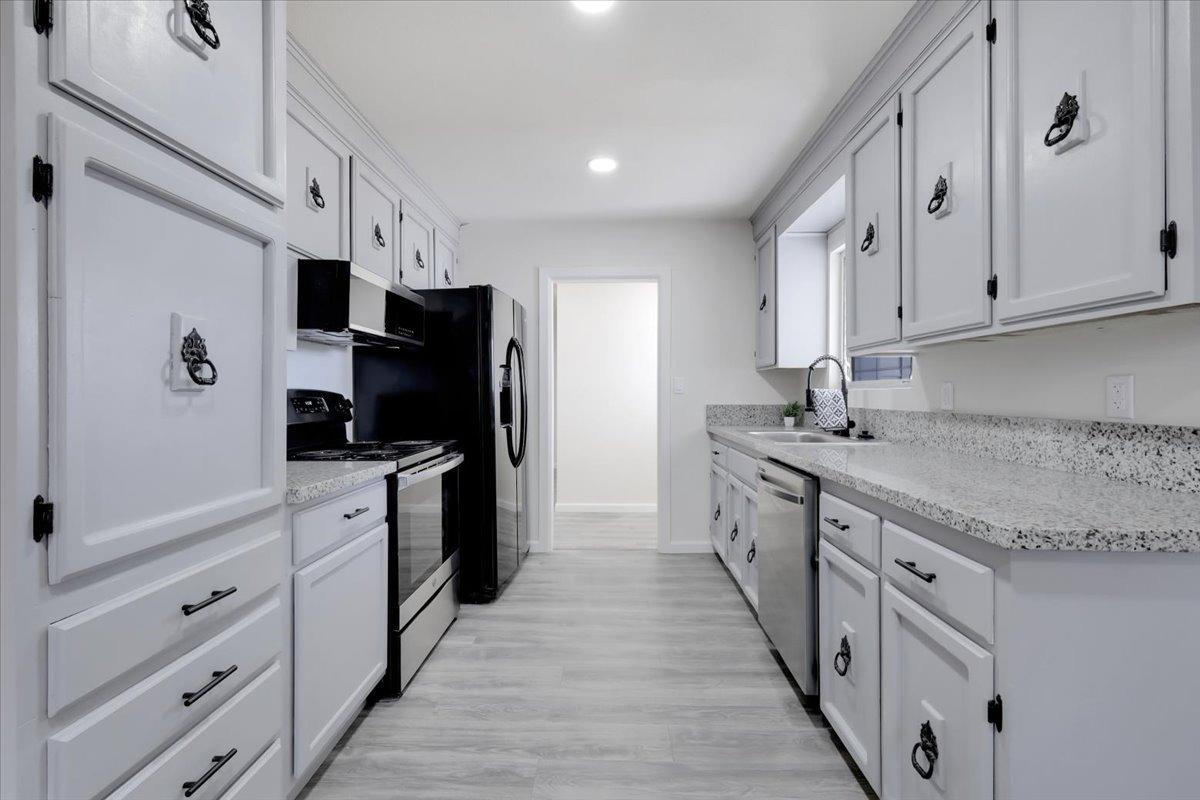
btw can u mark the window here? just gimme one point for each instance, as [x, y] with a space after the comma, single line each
[881, 368]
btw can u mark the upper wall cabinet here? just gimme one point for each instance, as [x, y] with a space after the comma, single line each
[207, 81]
[318, 172]
[374, 222]
[872, 284]
[945, 198]
[445, 259]
[764, 257]
[416, 244]
[1079, 148]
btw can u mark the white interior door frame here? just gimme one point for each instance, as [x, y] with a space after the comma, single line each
[548, 278]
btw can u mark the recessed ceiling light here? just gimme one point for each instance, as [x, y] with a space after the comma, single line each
[593, 6]
[602, 164]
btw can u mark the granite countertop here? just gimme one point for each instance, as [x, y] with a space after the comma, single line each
[1010, 505]
[308, 480]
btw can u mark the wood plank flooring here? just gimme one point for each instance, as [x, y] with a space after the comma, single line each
[598, 675]
[601, 530]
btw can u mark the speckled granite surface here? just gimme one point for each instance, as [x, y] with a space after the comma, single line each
[743, 415]
[308, 480]
[1011, 505]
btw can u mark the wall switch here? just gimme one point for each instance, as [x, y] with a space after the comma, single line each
[947, 396]
[677, 385]
[1119, 396]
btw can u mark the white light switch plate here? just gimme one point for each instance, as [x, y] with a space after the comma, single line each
[677, 385]
[1118, 396]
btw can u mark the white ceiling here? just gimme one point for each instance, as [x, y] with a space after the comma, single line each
[499, 105]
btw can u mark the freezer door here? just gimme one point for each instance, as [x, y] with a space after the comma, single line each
[521, 437]
[505, 384]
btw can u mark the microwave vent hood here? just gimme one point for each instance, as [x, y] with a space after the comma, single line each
[341, 303]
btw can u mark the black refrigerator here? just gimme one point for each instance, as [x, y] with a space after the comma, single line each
[466, 383]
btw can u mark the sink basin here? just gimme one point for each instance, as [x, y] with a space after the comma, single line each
[806, 437]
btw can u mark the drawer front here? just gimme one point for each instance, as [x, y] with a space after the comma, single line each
[318, 171]
[95, 751]
[849, 648]
[321, 527]
[140, 255]
[851, 528]
[744, 467]
[961, 590]
[720, 453]
[416, 241]
[263, 780]
[145, 64]
[374, 222]
[146, 622]
[229, 740]
[425, 631]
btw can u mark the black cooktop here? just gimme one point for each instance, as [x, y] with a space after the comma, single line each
[372, 451]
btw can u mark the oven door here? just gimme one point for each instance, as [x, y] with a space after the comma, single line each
[425, 534]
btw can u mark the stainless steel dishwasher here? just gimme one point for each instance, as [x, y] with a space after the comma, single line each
[787, 577]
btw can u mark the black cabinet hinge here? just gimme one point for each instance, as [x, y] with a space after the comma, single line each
[995, 713]
[43, 518]
[43, 181]
[900, 118]
[993, 287]
[1168, 239]
[899, 312]
[990, 31]
[43, 16]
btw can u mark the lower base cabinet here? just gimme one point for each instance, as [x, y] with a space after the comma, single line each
[264, 778]
[339, 640]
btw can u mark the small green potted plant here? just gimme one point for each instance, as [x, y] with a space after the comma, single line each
[791, 412]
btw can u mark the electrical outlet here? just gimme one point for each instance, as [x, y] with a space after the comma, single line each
[947, 396]
[1119, 396]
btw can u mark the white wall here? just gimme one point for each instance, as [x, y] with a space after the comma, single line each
[712, 324]
[606, 395]
[1060, 372]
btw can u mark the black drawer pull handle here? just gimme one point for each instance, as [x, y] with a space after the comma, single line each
[194, 353]
[191, 787]
[763, 305]
[1064, 118]
[356, 512]
[314, 189]
[379, 240]
[217, 677]
[868, 239]
[843, 654]
[733, 533]
[835, 522]
[939, 195]
[928, 746]
[192, 608]
[198, 13]
[911, 566]
[717, 515]
[752, 552]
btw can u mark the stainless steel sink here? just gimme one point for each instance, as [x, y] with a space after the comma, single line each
[806, 437]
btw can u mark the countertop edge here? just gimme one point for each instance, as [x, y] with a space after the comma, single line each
[312, 480]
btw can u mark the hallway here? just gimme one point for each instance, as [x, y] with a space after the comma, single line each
[619, 675]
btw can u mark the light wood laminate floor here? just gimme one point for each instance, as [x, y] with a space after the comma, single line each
[602, 530]
[598, 675]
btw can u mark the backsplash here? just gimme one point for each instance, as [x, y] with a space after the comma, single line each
[743, 415]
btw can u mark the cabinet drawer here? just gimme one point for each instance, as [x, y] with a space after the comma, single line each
[423, 633]
[145, 64]
[955, 587]
[374, 221]
[321, 527]
[235, 734]
[720, 452]
[318, 204]
[95, 751]
[849, 648]
[744, 467]
[263, 780]
[851, 528]
[146, 622]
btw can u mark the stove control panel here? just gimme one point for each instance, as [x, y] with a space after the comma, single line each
[314, 406]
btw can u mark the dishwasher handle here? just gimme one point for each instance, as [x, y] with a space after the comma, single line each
[766, 485]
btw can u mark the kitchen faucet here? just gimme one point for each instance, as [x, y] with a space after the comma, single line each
[841, 416]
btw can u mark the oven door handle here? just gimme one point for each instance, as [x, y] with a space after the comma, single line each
[431, 471]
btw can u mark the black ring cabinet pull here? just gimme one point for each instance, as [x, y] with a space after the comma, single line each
[191, 787]
[379, 236]
[420, 261]
[911, 566]
[843, 655]
[314, 189]
[198, 13]
[446, 275]
[763, 305]
[868, 239]
[835, 522]
[1064, 118]
[192, 608]
[752, 552]
[733, 533]
[194, 353]
[928, 746]
[939, 195]
[217, 677]
[356, 512]
[717, 515]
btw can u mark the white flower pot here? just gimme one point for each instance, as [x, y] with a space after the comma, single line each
[789, 422]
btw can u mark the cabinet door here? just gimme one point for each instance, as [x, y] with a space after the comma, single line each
[1077, 220]
[374, 222]
[765, 345]
[416, 242]
[849, 653]
[340, 640]
[733, 527]
[445, 261]
[717, 483]
[946, 193]
[144, 63]
[872, 276]
[750, 544]
[142, 255]
[318, 171]
[936, 685]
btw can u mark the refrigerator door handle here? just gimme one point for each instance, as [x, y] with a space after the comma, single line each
[515, 454]
[506, 403]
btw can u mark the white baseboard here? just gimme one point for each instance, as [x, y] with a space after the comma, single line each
[607, 508]
[682, 548]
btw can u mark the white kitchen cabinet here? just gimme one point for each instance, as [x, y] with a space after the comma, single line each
[872, 271]
[764, 259]
[339, 641]
[733, 528]
[717, 511]
[946, 189]
[416, 249]
[749, 563]
[150, 266]
[374, 221]
[849, 646]
[1079, 155]
[445, 261]
[936, 685]
[147, 64]
[318, 186]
